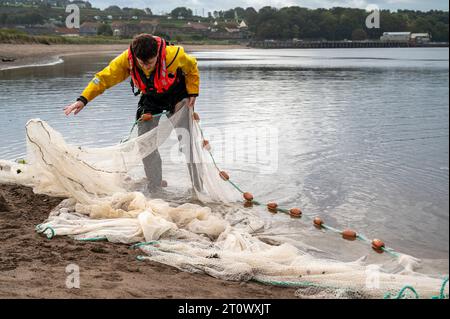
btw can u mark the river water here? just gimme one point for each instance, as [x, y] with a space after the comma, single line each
[357, 136]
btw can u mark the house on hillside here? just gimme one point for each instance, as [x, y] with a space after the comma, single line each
[242, 25]
[89, 28]
[196, 28]
[127, 30]
[229, 33]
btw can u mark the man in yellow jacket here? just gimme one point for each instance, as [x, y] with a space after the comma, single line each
[165, 77]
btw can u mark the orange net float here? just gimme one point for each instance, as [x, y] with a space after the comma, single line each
[248, 197]
[206, 145]
[146, 117]
[349, 234]
[295, 212]
[196, 117]
[318, 222]
[224, 175]
[272, 207]
[378, 245]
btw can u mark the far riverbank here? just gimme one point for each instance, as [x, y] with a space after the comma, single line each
[21, 55]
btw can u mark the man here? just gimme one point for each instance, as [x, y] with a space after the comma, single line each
[167, 79]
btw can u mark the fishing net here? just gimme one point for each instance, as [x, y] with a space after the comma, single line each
[196, 227]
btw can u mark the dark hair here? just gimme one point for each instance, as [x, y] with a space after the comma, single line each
[144, 46]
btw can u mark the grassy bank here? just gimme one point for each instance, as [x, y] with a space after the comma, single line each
[19, 37]
[11, 36]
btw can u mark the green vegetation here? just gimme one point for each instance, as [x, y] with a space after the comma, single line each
[181, 12]
[173, 23]
[342, 23]
[22, 18]
[105, 29]
[267, 23]
[20, 37]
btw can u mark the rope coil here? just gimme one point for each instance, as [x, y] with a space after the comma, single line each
[402, 293]
[49, 235]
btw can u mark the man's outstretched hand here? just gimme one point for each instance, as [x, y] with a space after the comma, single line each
[74, 107]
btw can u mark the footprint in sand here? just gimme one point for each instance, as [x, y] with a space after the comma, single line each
[99, 250]
[7, 266]
[113, 277]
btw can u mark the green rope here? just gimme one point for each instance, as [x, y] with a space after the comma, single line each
[52, 232]
[293, 284]
[235, 186]
[282, 210]
[144, 244]
[402, 292]
[131, 132]
[442, 294]
[387, 250]
[391, 252]
[137, 122]
[362, 238]
[331, 229]
[95, 239]
[40, 230]
[213, 159]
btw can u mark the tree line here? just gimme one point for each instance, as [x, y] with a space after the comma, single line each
[336, 23]
[279, 24]
[330, 24]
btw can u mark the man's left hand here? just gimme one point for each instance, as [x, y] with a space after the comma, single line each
[192, 100]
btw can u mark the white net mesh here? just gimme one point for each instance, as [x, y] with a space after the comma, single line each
[106, 195]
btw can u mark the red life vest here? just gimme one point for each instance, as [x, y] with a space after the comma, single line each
[162, 80]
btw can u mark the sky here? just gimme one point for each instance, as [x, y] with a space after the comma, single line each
[200, 6]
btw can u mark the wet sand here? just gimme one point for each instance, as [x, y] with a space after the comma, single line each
[35, 54]
[32, 266]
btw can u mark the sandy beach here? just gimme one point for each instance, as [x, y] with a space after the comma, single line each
[16, 55]
[32, 266]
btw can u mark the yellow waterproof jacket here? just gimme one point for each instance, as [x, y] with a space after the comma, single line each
[118, 70]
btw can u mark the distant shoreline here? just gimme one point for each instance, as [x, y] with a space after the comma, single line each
[371, 44]
[31, 55]
[38, 55]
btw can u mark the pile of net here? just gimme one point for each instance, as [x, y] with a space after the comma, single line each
[201, 229]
